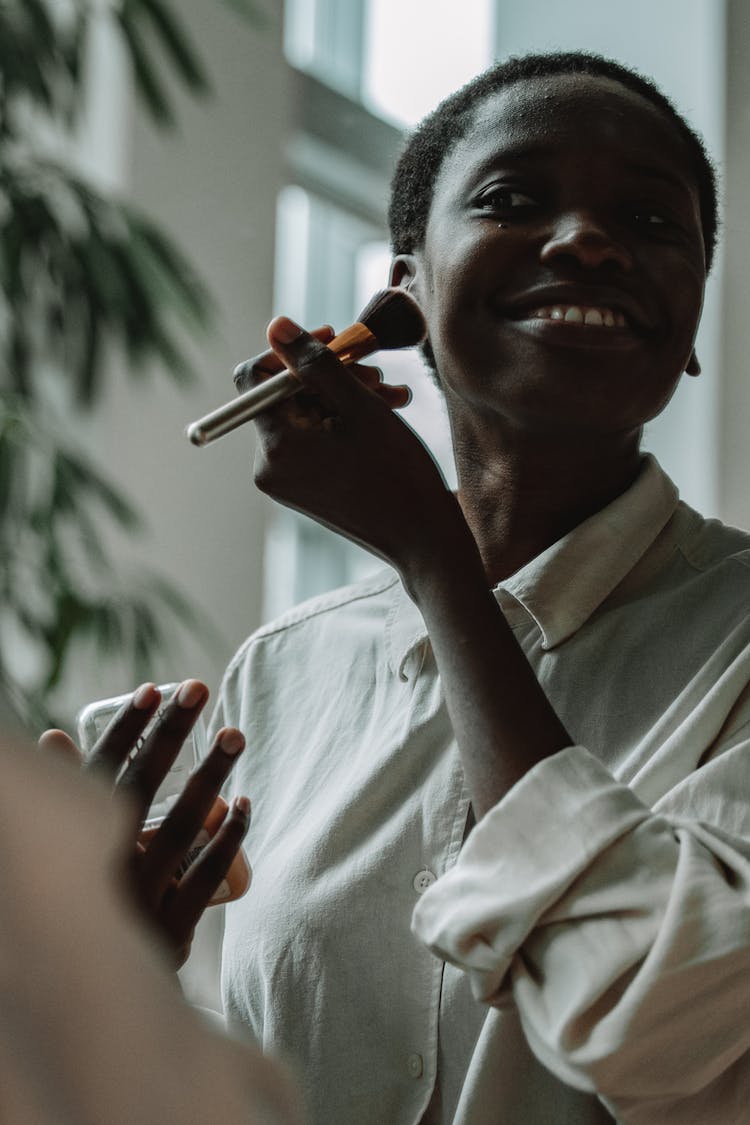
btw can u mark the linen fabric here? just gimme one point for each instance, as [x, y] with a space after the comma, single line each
[596, 923]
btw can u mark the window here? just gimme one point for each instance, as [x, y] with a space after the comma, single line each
[325, 38]
[377, 52]
[405, 72]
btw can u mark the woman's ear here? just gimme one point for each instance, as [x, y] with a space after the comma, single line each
[693, 367]
[403, 271]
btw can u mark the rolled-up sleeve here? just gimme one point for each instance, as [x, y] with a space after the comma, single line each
[622, 934]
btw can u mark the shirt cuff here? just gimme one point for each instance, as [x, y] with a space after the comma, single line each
[519, 860]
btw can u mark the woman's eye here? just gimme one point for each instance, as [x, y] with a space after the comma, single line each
[650, 218]
[504, 199]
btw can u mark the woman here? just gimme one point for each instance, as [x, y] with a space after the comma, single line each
[531, 731]
[562, 654]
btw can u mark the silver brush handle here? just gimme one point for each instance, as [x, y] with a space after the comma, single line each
[241, 409]
[351, 345]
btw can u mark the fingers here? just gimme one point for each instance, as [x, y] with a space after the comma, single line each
[305, 354]
[146, 771]
[395, 396]
[121, 737]
[173, 840]
[61, 745]
[200, 882]
[140, 745]
[309, 359]
[322, 374]
[254, 370]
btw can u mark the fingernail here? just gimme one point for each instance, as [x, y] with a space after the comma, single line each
[143, 697]
[242, 805]
[231, 741]
[285, 330]
[190, 694]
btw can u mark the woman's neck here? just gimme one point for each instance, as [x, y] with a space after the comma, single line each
[521, 497]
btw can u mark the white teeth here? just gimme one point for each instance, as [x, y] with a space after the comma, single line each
[580, 314]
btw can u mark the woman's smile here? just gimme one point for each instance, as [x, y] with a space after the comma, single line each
[580, 316]
[576, 326]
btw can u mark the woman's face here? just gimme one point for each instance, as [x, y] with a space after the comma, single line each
[563, 267]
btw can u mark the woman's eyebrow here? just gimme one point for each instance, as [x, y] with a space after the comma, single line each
[662, 174]
[500, 157]
[519, 152]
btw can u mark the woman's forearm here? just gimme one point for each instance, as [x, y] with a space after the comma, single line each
[502, 720]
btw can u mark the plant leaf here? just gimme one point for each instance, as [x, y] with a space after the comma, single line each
[149, 88]
[248, 10]
[173, 38]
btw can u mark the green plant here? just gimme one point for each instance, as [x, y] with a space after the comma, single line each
[80, 273]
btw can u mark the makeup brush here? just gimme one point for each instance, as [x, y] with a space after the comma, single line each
[392, 319]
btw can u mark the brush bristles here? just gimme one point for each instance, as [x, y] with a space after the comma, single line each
[394, 318]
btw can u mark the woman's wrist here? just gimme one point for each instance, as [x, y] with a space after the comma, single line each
[442, 560]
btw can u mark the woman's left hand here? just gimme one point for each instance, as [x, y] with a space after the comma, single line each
[173, 906]
[338, 452]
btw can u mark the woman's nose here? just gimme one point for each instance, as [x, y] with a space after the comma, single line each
[582, 237]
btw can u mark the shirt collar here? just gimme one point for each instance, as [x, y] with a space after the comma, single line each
[563, 586]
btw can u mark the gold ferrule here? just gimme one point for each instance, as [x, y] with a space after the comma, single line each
[354, 343]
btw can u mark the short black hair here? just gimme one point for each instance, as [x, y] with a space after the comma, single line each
[427, 147]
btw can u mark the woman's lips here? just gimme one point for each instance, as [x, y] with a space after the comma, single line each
[598, 316]
[595, 306]
[577, 326]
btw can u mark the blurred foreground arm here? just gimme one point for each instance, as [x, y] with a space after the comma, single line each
[92, 1028]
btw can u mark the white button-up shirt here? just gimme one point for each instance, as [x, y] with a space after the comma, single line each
[601, 910]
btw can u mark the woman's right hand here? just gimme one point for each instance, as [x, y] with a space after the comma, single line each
[338, 451]
[173, 906]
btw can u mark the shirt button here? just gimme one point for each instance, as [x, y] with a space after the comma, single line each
[422, 880]
[415, 1066]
